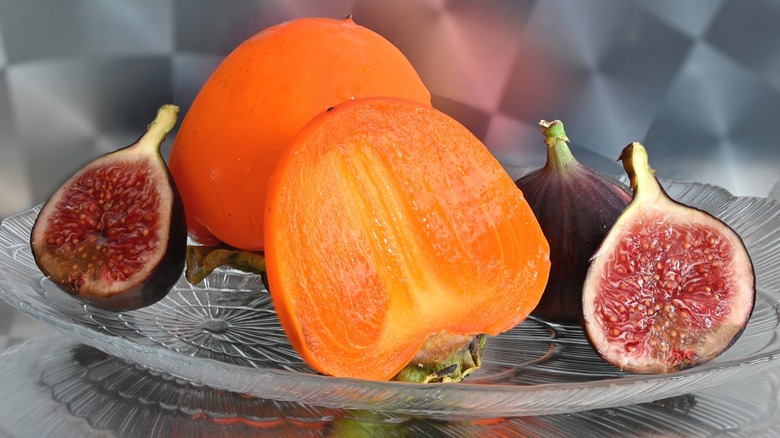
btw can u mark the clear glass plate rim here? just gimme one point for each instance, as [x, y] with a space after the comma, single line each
[753, 364]
[199, 372]
[90, 334]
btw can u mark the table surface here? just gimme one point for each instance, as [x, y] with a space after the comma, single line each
[697, 82]
[16, 327]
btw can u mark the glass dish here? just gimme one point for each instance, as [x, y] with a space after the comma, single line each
[83, 392]
[223, 333]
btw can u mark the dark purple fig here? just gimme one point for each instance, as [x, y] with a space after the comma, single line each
[575, 206]
[671, 286]
[114, 234]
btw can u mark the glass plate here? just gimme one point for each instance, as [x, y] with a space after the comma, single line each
[83, 392]
[223, 333]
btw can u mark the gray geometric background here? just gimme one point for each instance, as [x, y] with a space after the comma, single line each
[697, 81]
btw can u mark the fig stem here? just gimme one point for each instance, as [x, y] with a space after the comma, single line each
[641, 175]
[559, 156]
[156, 131]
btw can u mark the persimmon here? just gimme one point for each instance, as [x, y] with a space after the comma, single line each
[257, 99]
[388, 222]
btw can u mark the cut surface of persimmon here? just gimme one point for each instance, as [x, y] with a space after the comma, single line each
[257, 99]
[387, 221]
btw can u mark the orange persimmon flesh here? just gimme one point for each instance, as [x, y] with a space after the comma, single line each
[255, 102]
[388, 221]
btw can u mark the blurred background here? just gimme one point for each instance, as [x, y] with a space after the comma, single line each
[697, 81]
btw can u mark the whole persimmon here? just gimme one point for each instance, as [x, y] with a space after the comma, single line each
[257, 99]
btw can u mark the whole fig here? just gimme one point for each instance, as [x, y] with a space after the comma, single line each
[575, 206]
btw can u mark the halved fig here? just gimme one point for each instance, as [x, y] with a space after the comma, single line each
[671, 286]
[114, 234]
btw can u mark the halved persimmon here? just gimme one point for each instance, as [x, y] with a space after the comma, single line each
[387, 221]
[256, 101]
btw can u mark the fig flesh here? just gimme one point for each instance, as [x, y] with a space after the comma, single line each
[114, 234]
[671, 286]
[576, 206]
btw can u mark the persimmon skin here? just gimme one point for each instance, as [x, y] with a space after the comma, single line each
[257, 99]
[387, 221]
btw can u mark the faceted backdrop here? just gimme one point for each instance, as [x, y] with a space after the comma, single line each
[697, 81]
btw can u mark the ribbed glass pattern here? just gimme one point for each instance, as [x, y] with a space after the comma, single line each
[224, 334]
[55, 386]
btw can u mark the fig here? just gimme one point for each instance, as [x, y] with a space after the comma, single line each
[114, 234]
[671, 286]
[575, 206]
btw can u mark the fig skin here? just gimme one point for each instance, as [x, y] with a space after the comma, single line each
[161, 267]
[671, 287]
[575, 206]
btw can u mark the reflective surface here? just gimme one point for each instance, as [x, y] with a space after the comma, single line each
[224, 333]
[698, 82]
[82, 392]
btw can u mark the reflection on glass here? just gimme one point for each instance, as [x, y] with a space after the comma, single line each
[58, 387]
